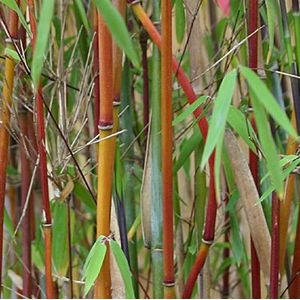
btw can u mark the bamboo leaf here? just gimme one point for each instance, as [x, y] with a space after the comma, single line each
[123, 267]
[180, 20]
[93, 264]
[237, 121]
[12, 54]
[189, 110]
[187, 147]
[219, 116]
[265, 97]
[83, 194]
[271, 15]
[118, 29]
[268, 145]
[43, 30]
[82, 14]
[14, 6]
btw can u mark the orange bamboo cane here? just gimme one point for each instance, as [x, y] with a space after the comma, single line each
[6, 102]
[167, 143]
[105, 153]
[41, 142]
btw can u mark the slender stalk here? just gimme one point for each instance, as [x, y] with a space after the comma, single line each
[41, 142]
[105, 153]
[167, 145]
[253, 158]
[25, 183]
[274, 272]
[6, 102]
[156, 187]
[96, 73]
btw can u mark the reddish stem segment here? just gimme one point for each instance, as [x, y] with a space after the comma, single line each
[106, 91]
[253, 159]
[96, 75]
[167, 143]
[274, 273]
[255, 265]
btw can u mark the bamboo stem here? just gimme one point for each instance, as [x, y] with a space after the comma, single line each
[167, 144]
[6, 103]
[253, 158]
[105, 153]
[155, 149]
[96, 73]
[26, 226]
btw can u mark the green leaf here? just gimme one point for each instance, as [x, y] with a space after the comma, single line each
[42, 39]
[82, 14]
[93, 264]
[219, 116]
[268, 145]
[186, 149]
[9, 224]
[271, 16]
[265, 97]
[286, 173]
[189, 110]
[12, 54]
[59, 241]
[180, 20]
[123, 267]
[237, 121]
[83, 195]
[118, 29]
[14, 6]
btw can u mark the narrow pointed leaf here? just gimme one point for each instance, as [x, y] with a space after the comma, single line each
[265, 97]
[123, 267]
[268, 145]
[219, 116]
[93, 265]
[42, 39]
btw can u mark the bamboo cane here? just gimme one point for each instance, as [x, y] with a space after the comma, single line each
[25, 183]
[105, 153]
[167, 144]
[41, 142]
[5, 114]
[253, 158]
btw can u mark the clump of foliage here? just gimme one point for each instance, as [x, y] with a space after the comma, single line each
[149, 149]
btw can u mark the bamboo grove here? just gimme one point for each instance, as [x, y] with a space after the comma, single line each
[149, 149]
